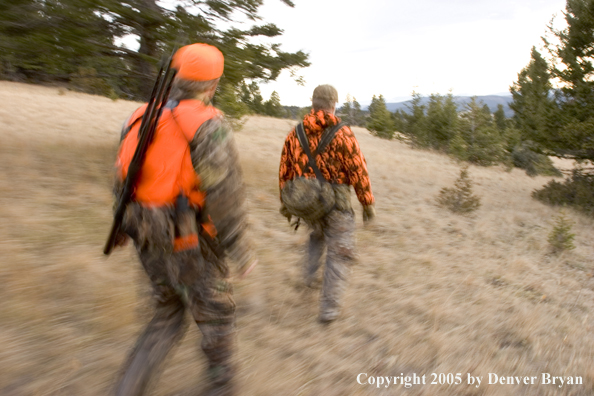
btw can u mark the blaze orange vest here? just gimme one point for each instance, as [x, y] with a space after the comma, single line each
[167, 170]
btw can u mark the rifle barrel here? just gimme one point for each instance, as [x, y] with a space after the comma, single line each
[148, 126]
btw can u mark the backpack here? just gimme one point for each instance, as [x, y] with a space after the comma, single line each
[311, 199]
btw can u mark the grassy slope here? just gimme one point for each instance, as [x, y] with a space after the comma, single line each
[433, 291]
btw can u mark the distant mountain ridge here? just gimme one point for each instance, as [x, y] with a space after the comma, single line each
[490, 100]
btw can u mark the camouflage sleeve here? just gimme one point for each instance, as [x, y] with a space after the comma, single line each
[356, 168]
[118, 182]
[216, 159]
[286, 171]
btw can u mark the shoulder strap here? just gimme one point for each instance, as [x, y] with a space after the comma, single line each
[304, 142]
[327, 137]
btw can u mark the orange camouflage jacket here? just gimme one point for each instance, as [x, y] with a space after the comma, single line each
[341, 163]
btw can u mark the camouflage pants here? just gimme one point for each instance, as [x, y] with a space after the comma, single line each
[336, 232]
[192, 280]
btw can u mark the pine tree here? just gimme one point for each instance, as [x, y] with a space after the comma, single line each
[44, 41]
[380, 121]
[251, 96]
[500, 119]
[399, 120]
[347, 111]
[416, 121]
[373, 106]
[273, 107]
[57, 40]
[535, 117]
[561, 238]
[228, 101]
[572, 133]
[460, 198]
[485, 143]
[441, 121]
[534, 109]
[458, 148]
[357, 113]
[487, 111]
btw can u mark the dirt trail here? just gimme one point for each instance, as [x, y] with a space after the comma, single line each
[433, 292]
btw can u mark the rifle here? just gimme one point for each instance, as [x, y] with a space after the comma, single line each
[148, 126]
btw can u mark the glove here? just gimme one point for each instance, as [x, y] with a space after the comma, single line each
[283, 210]
[368, 213]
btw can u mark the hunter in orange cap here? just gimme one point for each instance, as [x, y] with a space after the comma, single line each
[199, 62]
[190, 180]
[199, 68]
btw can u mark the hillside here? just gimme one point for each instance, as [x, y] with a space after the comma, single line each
[433, 292]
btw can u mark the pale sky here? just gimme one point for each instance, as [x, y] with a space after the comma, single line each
[392, 47]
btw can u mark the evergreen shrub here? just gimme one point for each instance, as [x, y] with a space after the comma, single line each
[561, 237]
[460, 198]
[576, 191]
[533, 163]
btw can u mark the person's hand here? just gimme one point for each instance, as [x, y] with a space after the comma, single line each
[285, 212]
[247, 270]
[368, 213]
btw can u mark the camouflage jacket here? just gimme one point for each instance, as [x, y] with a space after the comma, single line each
[341, 163]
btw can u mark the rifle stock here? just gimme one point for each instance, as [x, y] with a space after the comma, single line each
[148, 126]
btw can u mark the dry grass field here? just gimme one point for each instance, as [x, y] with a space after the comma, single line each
[433, 292]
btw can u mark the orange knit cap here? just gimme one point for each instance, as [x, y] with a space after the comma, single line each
[198, 62]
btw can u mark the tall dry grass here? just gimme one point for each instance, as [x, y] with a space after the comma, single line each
[433, 292]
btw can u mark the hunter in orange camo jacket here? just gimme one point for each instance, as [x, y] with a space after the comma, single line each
[341, 163]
